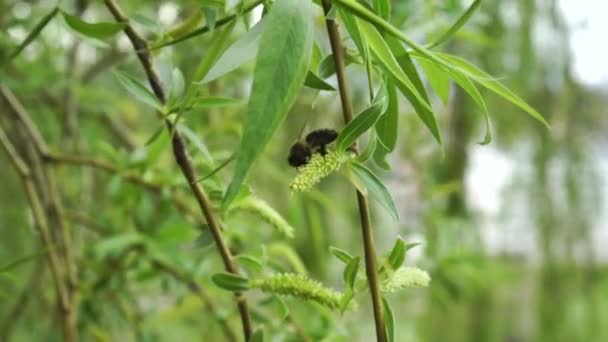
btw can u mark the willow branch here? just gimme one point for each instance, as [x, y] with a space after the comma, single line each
[183, 160]
[364, 215]
[55, 209]
[68, 325]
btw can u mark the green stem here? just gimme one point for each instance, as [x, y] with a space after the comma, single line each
[364, 215]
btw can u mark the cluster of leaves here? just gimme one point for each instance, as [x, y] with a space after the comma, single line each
[286, 59]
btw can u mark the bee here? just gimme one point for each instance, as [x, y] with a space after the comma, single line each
[315, 142]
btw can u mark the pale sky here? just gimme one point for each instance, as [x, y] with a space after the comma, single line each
[587, 19]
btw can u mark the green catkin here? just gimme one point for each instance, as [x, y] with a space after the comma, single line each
[300, 286]
[316, 169]
[406, 277]
[266, 212]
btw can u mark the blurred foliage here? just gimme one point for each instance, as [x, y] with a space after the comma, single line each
[147, 266]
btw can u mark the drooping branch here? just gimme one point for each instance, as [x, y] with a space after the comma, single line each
[68, 319]
[183, 160]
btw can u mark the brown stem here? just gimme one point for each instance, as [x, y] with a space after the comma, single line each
[183, 160]
[179, 202]
[68, 318]
[50, 198]
[366, 227]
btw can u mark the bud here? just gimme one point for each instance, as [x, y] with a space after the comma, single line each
[406, 277]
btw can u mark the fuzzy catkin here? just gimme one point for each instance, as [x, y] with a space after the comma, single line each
[406, 277]
[266, 212]
[316, 169]
[300, 286]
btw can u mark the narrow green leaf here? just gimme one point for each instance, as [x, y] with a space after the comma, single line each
[214, 101]
[211, 16]
[282, 62]
[437, 78]
[388, 123]
[230, 282]
[404, 82]
[389, 320]
[364, 13]
[93, 30]
[347, 296]
[249, 262]
[397, 255]
[156, 134]
[383, 8]
[376, 188]
[197, 141]
[492, 84]
[32, 35]
[350, 272]
[350, 24]
[387, 127]
[407, 65]
[146, 22]
[341, 254]
[359, 125]
[380, 157]
[354, 179]
[240, 52]
[331, 14]
[362, 46]
[315, 82]
[469, 87]
[138, 89]
[457, 25]
[205, 239]
[212, 56]
[118, 243]
[220, 22]
[12, 264]
[177, 84]
[316, 57]
[370, 149]
[212, 3]
[279, 304]
[411, 245]
[327, 67]
[385, 57]
[218, 168]
[452, 63]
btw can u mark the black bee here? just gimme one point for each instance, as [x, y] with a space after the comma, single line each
[316, 141]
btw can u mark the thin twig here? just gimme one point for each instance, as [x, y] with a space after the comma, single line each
[54, 209]
[68, 318]
[6, 329]
[198, 290]
[221, 22]
[366, 227]
[183, 160]
[110, 59]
